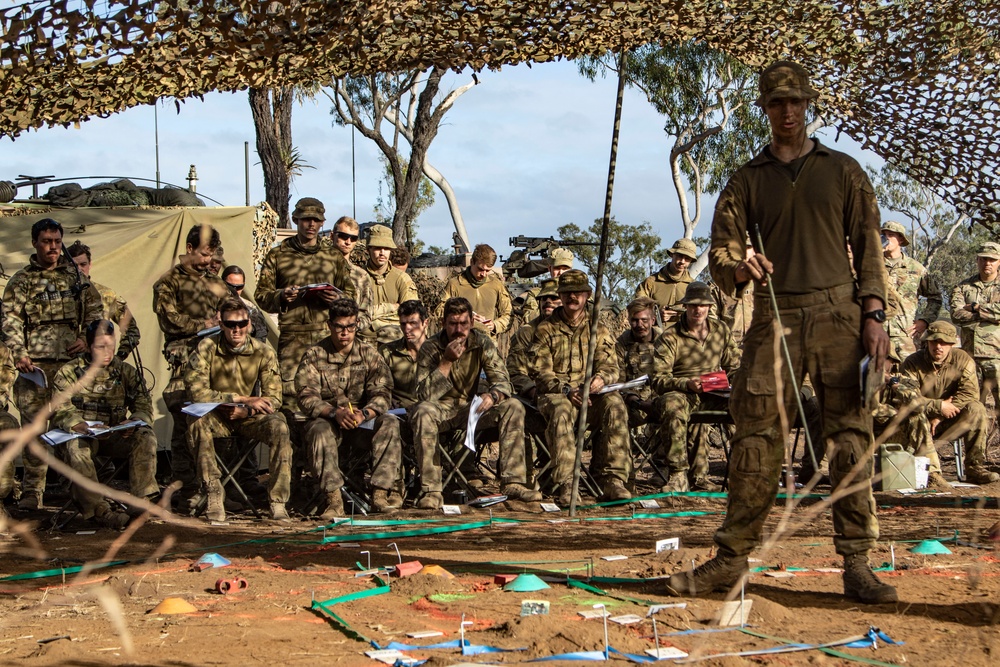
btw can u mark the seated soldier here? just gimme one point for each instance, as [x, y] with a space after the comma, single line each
[241, 373]
[947, 377]
[696, 345]
[519, 357]
[559, 366]
[342, 382]
[635, 358]
[116, 394]
[401, 354]
[8, 373]
[448, 370]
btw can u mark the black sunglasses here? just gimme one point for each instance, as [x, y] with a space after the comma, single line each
[235, 288]
[235, 324]
[353, 238]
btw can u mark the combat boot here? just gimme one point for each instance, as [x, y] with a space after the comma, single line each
[678, 483]
[30, 502]
[380, 501]
[334, 506]
[565, 496]
[861, 584]
[704, 484]
[936, 480]
[520, 492]
[112, 519]
[216, 502]
[279, 513]
[614, 489]
[395, 499]
[432, 500]
[980, 475]
[719, 574]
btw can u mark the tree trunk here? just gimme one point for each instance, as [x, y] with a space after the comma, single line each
[272, 119]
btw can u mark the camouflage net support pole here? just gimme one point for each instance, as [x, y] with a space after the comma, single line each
[581, 427]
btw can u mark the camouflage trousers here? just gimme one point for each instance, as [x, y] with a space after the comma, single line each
[292, 346]
[430, 419]
[988, 371]
[270, 430]
[914, 433]
[7, 422]
[30, 400]
[687, 444]
[140, 449]
[323, 439]
[971, 423]
[824, 340]
[607, 419]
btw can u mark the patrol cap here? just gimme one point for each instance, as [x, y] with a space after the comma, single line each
[784, 78]
[942, 331]
[561, 257]
[698, 294]
[309, 207]
[574, 280]
[898, 228]
[989, 250]
[380, 236]
[549, 290]
[685, 247]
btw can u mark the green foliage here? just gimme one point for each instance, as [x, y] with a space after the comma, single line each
[631, 248]
[385, 202]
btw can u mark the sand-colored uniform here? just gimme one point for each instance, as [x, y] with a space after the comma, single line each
[489, 297]
[678, 357]
[737, 313]
[530, 309]
[665, 288]
[954, 379]
[116, 394]
[911, 281]
[115, 309]
[445, 400]
[804, 211]
[360, 380]
[635, 359]
[362, 295]
[44, 311]
[303, 322]
[389, 289]
[980, 331]
[559, 364]
[7, 375]
[216, 372]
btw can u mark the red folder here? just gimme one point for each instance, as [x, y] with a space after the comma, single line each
[714, 381]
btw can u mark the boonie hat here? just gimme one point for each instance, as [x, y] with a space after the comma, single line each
[784, 78]
[574, 280]
[561, 257]
[549, 289]
[685, 247]
[989, 250]
[942, 331]
[698, 294]
[898, 228]
[309, 207]
[380, 236]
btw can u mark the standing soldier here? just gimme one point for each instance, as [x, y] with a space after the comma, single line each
[115, 307]
[560, 261]
[345, 237]
[186, 301]
[911, 281]
[114, 396]
[7, 375]
[666, 286]
[47, 305]
[485, 290]
[737, 313]
[342, 383]
[975, 307]
[561, 345]
[390, 286]
[799, 200]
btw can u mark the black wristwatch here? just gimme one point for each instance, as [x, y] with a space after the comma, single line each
[877, 315]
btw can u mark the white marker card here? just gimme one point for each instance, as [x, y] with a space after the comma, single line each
[451, 509]
[669, 544]
[660, 607]
[424, 634]
[389, 655]
[86, 532]
[594, 613]
[779, 574]
[666, 653]
[626, 619]
[550, 507]
[649, 504]
[616, 557]
[730, 613]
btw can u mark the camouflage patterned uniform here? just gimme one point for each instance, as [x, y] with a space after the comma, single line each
[115, 308]
[980, 331]
[362, 294]
[444, 406]
[737, 313]
[42, 316]
[954, 378]
[218, 373]
[560, 357]
[679, 357]
[183, 299]
[117, 393]
[911, 281]
[328, 379]
[828, 194]
[635, 359]
[7, 375]
[488, 297]
[914, 431]
[389, 289]
[403, 369]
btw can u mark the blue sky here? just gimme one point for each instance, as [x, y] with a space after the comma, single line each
[526, 151]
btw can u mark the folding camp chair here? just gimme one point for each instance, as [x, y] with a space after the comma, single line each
[235, 451]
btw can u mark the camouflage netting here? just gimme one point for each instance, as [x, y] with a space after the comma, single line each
[913, 80]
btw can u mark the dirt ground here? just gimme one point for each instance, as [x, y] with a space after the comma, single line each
[949, 609]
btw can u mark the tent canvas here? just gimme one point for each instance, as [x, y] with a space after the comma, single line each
[132, 248]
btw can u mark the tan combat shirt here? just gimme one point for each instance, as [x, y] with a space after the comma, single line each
[954, 378]
[117, 393]
[679, 356]
[217, 372]
[462, 383]
[362, 294]
[327, 378]
[665, 288]
[980, 331]
[389, 289]
[560, 352]
[403, 369]
[489, 298]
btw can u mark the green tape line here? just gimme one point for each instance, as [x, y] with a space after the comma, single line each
[42, 574]
[829, 651]
[573, 583]
[416, 532]
[323, 608]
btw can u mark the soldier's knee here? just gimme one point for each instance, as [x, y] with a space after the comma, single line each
[317, 428]
[388, 422]
[849, 448]
[976, 412]
[511, 406]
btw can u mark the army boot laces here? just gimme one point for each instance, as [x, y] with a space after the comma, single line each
[717, 575]
[216, 502]
[381, 502]
[678, 483]
[432, 500]
[279, 513]
[615, 490]
[861, 584]
[334, 507]
[980, 475]
[520, 492]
